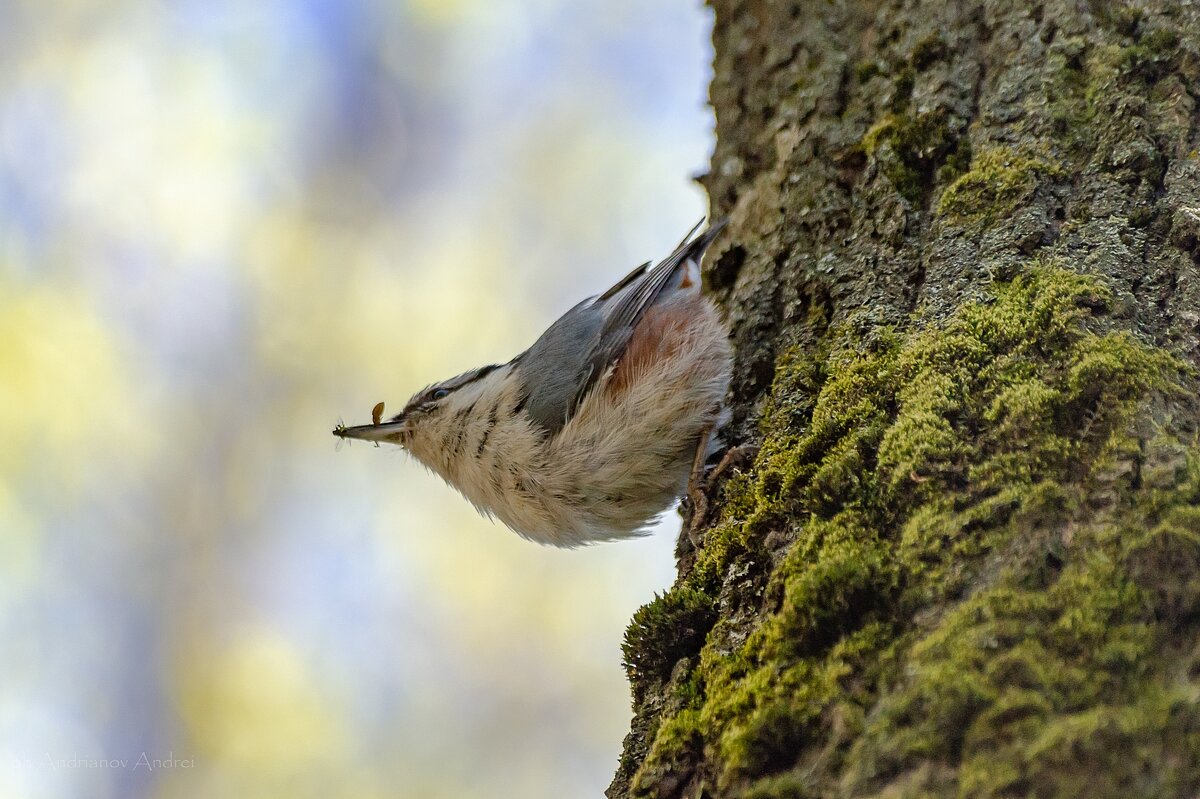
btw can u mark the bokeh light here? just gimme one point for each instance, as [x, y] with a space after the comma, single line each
[222, 226]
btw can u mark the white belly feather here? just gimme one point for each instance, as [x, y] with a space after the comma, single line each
[603, 476]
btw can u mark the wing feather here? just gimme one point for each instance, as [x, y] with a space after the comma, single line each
[641, 292]
[581, 347]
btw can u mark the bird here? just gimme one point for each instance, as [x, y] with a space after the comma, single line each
[597, 428]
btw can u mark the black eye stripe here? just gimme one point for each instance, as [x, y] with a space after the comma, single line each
[454, 384]
[427, 400]
[469, 377]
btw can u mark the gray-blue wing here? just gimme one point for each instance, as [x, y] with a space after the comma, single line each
[571, 356]
[625, 305]
[551, 367]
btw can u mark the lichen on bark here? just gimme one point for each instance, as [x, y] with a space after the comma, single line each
[962, 278]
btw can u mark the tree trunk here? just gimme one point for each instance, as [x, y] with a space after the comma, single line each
[961, 275]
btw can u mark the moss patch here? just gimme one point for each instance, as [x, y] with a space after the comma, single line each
[671, 627]
[964, 603]
[1152, 57]
[1001, 180]
[1097, 98]
[911, 148]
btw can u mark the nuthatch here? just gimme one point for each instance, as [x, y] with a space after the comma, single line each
[593, 431]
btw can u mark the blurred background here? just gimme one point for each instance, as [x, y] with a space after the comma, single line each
[224, 225]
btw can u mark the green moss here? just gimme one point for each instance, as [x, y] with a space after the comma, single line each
[1096, 94]
[1151, 58]
[1001, 180]
[671, 627]
[782, 786]
[1069, 112]
[752, 505]
[949, 474]
[911, 147]
[1121, 18]
[866, 69]
[956, 163]
[1007, 660]
[1046, 693]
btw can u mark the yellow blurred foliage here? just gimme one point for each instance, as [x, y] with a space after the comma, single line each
[442, 12]
[254, 707]
[223, 225]
[65, 391]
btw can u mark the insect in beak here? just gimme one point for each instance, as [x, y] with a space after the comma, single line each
[394, 430]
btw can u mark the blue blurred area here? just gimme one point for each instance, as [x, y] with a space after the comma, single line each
[223, 225]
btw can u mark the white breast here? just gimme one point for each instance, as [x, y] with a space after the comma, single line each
[614, 467]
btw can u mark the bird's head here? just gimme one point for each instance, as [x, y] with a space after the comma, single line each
[436, 420]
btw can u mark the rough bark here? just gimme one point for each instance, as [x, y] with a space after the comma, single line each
[962, 279]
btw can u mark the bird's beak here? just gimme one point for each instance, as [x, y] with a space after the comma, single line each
[393, 431]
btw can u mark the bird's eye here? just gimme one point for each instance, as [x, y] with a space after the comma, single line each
[440, 393]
